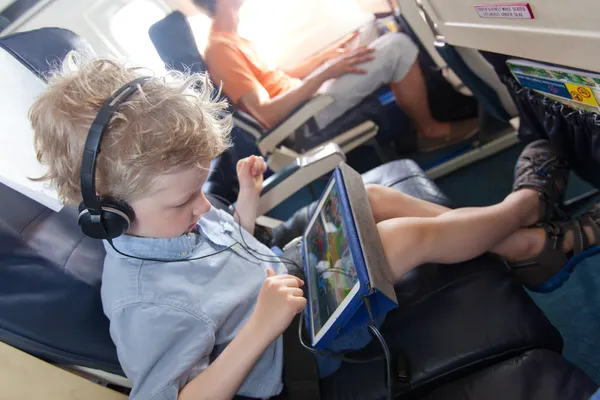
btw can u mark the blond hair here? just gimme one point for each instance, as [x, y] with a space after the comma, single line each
[173, 122]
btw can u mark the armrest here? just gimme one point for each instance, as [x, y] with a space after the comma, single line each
[268, 222]
[298, 174]
[273, 137]
[248, 124]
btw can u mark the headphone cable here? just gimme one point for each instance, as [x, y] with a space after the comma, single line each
[284, 260]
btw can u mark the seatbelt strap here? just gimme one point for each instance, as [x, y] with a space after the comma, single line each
[300, 371]
[400, 373]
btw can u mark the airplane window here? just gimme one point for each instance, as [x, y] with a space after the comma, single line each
[129, 26]
[200, 25]
[290, 30]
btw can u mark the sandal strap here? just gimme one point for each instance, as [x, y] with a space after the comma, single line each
[588, 221]
[553, 250]
[580, 239]
[553, 257]
[550, 260]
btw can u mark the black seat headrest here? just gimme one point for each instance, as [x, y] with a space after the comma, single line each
[174, 41]
[42, 49]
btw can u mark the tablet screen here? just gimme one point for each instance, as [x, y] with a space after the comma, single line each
[331, 268]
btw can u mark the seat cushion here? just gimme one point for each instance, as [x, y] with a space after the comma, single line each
[407, 177]
[403, 175]
[54, 235]
[534, 375]
[452, 320]
[48, 311]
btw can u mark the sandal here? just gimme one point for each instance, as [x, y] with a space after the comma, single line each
[539, 167]
[552, 267]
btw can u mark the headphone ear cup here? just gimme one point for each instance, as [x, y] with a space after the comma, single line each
[115, 219]
[117, 216]
[89, 227]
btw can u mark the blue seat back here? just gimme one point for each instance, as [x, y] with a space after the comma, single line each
[174, 41]
[486, 96]
[49, 272]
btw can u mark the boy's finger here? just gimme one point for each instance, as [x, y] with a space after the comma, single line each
[290, 282]
[294, 291]
[300, 302]
[243, 165]
[270, 272]
[287, 276]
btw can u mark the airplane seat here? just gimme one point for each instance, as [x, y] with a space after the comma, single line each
[574, 133]
[571, 131]
[453, 324]
[497, 106]
[448, 98]
[485, 93]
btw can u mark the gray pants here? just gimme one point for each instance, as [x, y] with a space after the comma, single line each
[395, 54]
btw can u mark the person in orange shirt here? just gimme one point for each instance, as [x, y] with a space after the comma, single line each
[271, 94]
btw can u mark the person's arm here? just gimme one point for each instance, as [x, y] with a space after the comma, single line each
[279, 300]
[270, 111]
[222, 379]
[309, 65]
[250, 173]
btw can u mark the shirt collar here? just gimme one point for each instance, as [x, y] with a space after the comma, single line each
[170, 249]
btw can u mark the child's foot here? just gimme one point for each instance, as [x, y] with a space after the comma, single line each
[565, 245]
[540, 168]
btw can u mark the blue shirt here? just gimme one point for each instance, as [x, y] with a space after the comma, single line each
[169, 320]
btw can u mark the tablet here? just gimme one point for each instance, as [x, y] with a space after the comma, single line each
[331, 272]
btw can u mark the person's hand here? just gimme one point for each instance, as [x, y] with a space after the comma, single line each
[340, 49]
[250, 172]
[349, 62]
[279, 300]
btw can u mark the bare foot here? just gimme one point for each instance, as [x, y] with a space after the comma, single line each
[529, 243]
[436, 130]
[529, 206]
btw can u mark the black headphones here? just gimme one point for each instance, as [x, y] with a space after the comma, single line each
[103, 217]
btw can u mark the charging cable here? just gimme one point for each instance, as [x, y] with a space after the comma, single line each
[372, 325]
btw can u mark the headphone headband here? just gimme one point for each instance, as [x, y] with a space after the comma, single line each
[93, 142]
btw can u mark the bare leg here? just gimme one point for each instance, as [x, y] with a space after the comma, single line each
[455, 235]
[411, 96]
[388, 203]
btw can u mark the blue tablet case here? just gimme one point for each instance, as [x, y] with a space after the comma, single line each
[367, 251]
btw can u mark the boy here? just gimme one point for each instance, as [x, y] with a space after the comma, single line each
[210, 327]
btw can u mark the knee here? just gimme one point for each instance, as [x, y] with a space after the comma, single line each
[399, 43]
[403, 244]
[375, 193]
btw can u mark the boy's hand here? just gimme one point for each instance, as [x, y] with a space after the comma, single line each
[250, 172]
[279, 300]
